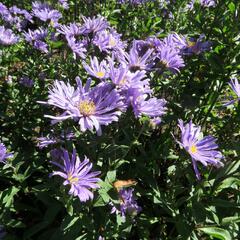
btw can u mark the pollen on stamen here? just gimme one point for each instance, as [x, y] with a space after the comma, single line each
[193, 149]
[100, 74]
[87, 107]
[191, 43]
[112, 42]
[72, 179]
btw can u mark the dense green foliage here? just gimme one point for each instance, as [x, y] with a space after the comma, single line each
[175, 205]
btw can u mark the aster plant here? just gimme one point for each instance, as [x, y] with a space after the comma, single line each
[90, 107]
[204, 150]
[77, 174]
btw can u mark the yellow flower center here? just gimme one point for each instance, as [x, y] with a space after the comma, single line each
[122, 82]
[87, 108]
[72, 179]
[191, 43]
[112, 42]
[100, 74]
[193, 149]
[165, 63]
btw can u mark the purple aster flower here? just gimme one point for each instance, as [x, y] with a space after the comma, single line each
[197, 46]
[44, 12]
[53, 139]
[168, 58]
[18, 18]
[134, 2]
[7, 37]
[3, 8]
[96, 69]
[234, 84]
[151, 107]
[78, 175]
[5, 14]
[208, 3]
[78, 47]
[46, 141]
[26, 81]
[91, 107]
[128, 204]
[3, 153]
[37, 39]
[123, 79]
[108, 40]
[175, 41]
[63, 3]
[200, 149]
[190, 5]
[135, 61]
[94, 25]
[17, 11]
[71, 30]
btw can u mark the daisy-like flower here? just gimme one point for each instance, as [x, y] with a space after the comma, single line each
[96, 69]
[168, 58]
[3, 153]
[91, 107]
[135, 61]
[37, 39]
[203, 150]
[19, 18]
[71, 30]
[134, 2]
[78, 175]
[128, 204]
[208, 3]
[151, 107]
[234, 84]
[26, 81]
[94, 25]
[64, 4]
[52, 139]
[176, 41]
[78, 47]
[7, 37]
[196, 46]
[108, 40]
[44, 12]
[124, 79]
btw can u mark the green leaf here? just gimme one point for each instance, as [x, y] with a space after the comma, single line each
[216, 232]
[231, 6]
[9, 194]
[111, 176]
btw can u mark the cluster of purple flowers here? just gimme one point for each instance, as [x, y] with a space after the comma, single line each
[134, 2]
[37, 38]
[203, 3]
[46, 13]
[128, 204]
[7, 37]
[121, 81]
[15, 17]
